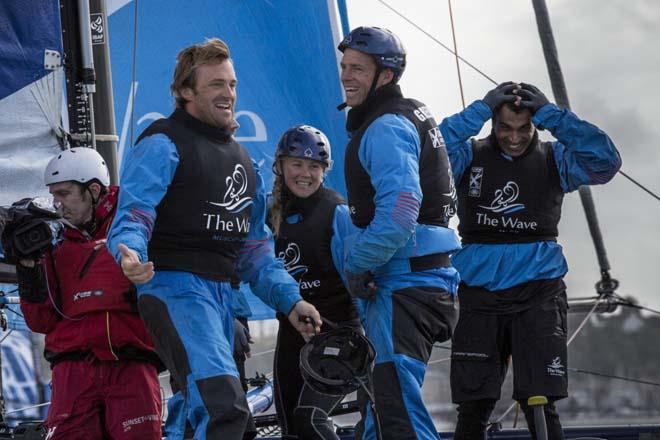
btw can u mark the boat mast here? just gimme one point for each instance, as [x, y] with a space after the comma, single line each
[606, 284]
[89, 82]
[104, 116]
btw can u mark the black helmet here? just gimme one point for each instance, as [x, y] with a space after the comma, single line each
[337, 362]
[305, 142]
[386, 48]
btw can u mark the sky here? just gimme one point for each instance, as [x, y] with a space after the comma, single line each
[611, 64]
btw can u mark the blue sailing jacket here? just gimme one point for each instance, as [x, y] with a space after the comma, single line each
[146, 174]
[389, 152]
[584, 155]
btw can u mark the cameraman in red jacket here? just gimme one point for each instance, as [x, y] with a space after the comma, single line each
[105, 371]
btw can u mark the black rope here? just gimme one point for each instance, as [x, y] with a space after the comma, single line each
[419, 28]
[14, 311]
[639, 185]
[636, 306]
[612, 376]
[476, 69]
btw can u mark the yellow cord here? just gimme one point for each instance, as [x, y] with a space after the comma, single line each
[107, 326]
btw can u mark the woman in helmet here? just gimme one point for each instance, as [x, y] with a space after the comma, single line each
[105, 380]
[308, 222]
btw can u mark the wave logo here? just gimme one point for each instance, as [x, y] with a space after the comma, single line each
[449, 209]
[235, 199]
[291, 258]
[505, 198]
[555, 368]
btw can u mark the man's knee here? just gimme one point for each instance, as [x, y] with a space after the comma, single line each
[225, 402]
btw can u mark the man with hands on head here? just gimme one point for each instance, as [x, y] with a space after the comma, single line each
[191, 219]
[512, 295]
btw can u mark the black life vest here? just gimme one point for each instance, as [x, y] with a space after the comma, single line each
[305, 248]
[438, 192]
[204, 218]
[510, 201]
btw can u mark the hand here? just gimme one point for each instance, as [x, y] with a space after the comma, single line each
[531, 97]
[242, 340]
[306, 319]
[361, 285]
[501, 95]
[136, 272]
[32, 284]
[27, 263]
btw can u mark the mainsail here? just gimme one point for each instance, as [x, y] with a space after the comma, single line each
[30, 95]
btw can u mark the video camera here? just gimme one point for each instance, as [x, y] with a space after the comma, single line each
[28, 228]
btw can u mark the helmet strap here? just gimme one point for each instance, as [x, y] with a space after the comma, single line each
[91, 225]
[374, 82]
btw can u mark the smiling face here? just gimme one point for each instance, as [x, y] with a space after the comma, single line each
[514, 131]
[303, 177]
[357, 74]
[214, 95]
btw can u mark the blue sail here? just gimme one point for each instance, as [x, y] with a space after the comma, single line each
[285, 59]
[31, 82]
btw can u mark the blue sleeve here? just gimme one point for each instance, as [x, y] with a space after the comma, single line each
[257, 264]
[148, 170]
[457, 131]
[389, 152]
[584, 154]
[342, 227]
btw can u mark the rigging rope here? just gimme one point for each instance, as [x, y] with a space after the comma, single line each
[480, 72]
[575, 333]
[438, 41]
[458, 67]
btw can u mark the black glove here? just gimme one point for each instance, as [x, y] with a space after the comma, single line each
[242, 341]
[500, 95]
[532, 97]
[32, 285]
[361, 285]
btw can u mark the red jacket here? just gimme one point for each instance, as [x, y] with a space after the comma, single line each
[91, 309]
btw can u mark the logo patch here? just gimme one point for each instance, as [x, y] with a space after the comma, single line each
[97, 28]
[504, 199]
[234, 199]
[291, 258]
[555, 368]
[476, 176]
[436, 138]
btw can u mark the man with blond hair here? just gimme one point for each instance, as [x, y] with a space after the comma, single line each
[191, 217]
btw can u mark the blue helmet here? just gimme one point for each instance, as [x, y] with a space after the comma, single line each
[386, 48]
[305, 142]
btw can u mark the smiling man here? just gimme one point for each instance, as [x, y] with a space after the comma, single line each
[513, 300]
[401, 196]
[191, 219]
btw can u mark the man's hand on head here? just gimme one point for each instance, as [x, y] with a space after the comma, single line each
[501, 94]
[531, 97]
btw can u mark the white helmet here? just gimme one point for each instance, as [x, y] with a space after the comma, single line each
[80, 164]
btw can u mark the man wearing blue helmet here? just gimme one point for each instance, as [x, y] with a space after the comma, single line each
[309, 222]
[401, 196]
